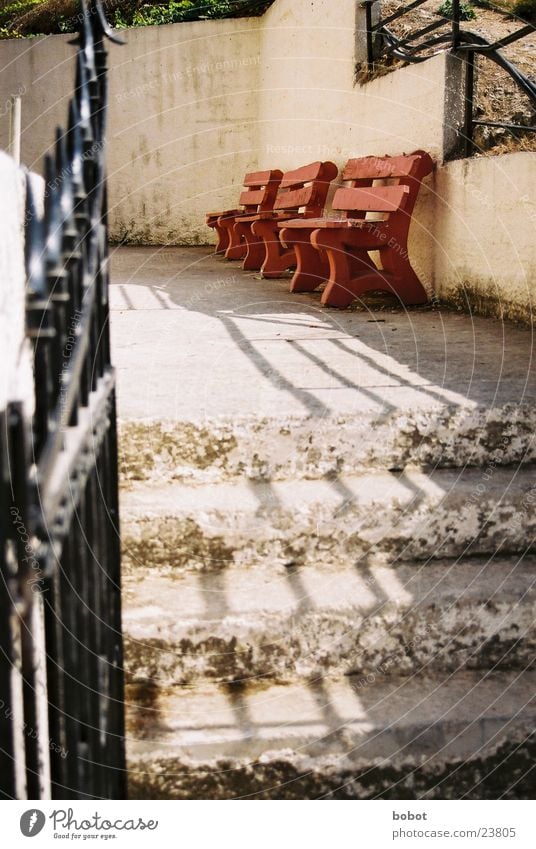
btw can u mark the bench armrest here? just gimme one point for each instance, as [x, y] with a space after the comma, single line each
[226, 213]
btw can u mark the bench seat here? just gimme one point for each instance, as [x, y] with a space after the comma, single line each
[302, 193]
[325, 223]
[259, 196]
[337, 251]
[267, 216]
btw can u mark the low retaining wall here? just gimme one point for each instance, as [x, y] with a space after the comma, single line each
[485, 235]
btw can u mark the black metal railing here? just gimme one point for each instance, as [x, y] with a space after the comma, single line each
[61, 665]
[447, 33]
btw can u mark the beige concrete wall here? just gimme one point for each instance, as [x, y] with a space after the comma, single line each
[193, 106]
[183, 124]
[485, 234]
[310, 102]
[313, 108]
[182, 120]
[42, 71]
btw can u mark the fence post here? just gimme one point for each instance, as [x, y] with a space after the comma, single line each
[61, 660]
[469, 103]
[368, 18]
[455, 24]
[15, 124]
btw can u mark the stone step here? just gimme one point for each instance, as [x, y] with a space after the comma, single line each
[220, 375]
[402, 428]
[466, 735]
[371, 621]
[406, 515]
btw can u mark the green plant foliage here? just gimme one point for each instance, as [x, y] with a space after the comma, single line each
[15, 10]
[9, 33]
[57, 15]
[177, 11]
[467, 13]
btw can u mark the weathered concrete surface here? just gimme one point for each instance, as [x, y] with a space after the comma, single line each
[431, 737]
[193, 106]
[486, 225]
[221, 374]
[344, 457]
[408, 515]
[309, 446]
[372, 620]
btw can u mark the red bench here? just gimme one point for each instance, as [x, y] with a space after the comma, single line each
[302, 193]
[259, 196]
[337, 249]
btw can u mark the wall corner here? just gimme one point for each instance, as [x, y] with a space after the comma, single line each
[453, 106]
[361, 30]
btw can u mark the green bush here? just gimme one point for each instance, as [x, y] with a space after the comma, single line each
[28, 17]
[526, 10]
[13, 10]
[467, 13]
[178, 11]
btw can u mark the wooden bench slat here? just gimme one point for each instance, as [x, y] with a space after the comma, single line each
[265, 216]
[294, 199]
[308, 173]
[380, 168]
[305, 174]
[316, 223]
[373, 199]
[222, 212]
[262, 178]
[261, 189]
[253, 198]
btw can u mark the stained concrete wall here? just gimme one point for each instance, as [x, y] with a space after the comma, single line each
[485, 234]
[193, 106]
[182, 119]
[41, 71]
[311, 104]
[183, 125]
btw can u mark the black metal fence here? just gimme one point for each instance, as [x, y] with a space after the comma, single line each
[448, 32]
[61, 684]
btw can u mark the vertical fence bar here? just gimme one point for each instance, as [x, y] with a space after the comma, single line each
[12, 756]
[55, 683]
[67, 495]
[30, 623]
[370, 47]
[468, 127]
[455, 24]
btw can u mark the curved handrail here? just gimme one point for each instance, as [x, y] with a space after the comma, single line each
[410, 47]
[468, 41]
[477, 44]
[460, 40]
[396, 49]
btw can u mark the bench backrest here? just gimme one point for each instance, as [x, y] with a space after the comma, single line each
[383, 185]
[304, 190]
[260, 190]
